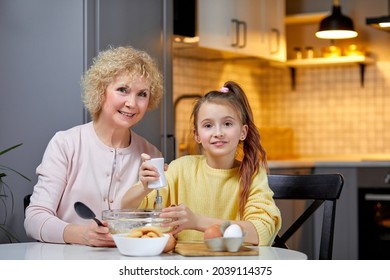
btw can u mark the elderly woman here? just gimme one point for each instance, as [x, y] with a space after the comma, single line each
[98, 161]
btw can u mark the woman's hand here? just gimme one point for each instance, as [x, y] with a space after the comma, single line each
[147, 171]
[90, 235]
[182, 216]
[98, 236]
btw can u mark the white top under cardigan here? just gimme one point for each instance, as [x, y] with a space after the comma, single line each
[77, 166]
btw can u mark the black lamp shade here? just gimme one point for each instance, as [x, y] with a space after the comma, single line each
[382, 23]
[336, 26]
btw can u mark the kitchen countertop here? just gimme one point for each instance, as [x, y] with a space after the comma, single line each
[366, 160]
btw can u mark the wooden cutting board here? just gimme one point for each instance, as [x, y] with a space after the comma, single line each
[200, 249]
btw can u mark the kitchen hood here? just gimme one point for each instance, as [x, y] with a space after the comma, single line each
[382, 23]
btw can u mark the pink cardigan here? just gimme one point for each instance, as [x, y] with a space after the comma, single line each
[77, 166]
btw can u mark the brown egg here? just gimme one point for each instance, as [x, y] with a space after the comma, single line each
[170, 244]
[212, 231]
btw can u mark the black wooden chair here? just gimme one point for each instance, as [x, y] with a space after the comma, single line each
[26, 201]
[321, 189]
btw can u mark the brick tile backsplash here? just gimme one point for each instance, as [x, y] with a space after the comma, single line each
[328, 113]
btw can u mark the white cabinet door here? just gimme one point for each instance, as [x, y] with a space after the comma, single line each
[229, 25]
[273, 37]
[214, 24]
[248, 27]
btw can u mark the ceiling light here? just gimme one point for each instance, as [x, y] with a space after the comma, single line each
[382, 23]
[337, 25]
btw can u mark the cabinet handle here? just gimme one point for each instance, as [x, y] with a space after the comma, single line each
[235, 25]
[277, 34]
[243, 24]
[387, 179]
[377, 197]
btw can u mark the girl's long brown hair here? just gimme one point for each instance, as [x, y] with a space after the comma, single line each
[253, 153]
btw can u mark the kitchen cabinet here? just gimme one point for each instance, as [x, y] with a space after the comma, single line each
[273, 29]
[247, 27]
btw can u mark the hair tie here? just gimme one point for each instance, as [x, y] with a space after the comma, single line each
[224, 89]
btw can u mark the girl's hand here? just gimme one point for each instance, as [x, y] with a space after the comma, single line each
[182, 216]
[147, 172]
[96, 236]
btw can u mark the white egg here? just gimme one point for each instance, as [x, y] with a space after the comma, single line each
[233, 230]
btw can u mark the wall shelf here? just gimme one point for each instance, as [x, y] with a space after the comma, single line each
[329, 61]
[359, 60]
[308, 18]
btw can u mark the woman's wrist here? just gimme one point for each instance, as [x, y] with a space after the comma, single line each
[72, 234]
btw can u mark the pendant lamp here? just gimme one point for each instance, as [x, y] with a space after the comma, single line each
[337, 25]
[382, 23]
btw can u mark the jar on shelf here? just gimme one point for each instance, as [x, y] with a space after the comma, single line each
[331, 51]
[352, 50]
[309, 52]
[297, 53]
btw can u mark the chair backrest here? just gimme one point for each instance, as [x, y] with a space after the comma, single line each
[26, 201]
[321, 189]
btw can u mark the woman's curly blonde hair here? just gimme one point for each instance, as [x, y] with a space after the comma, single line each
[112, 62]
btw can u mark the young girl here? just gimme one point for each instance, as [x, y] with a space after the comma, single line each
[219, 185]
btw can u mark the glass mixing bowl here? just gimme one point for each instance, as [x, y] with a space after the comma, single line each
[124, 220]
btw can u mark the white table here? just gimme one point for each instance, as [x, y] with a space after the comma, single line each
[48, 251]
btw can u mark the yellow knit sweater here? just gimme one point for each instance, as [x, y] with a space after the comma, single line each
[215, 193]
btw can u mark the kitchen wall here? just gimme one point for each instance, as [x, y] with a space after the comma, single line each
[329, 112]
